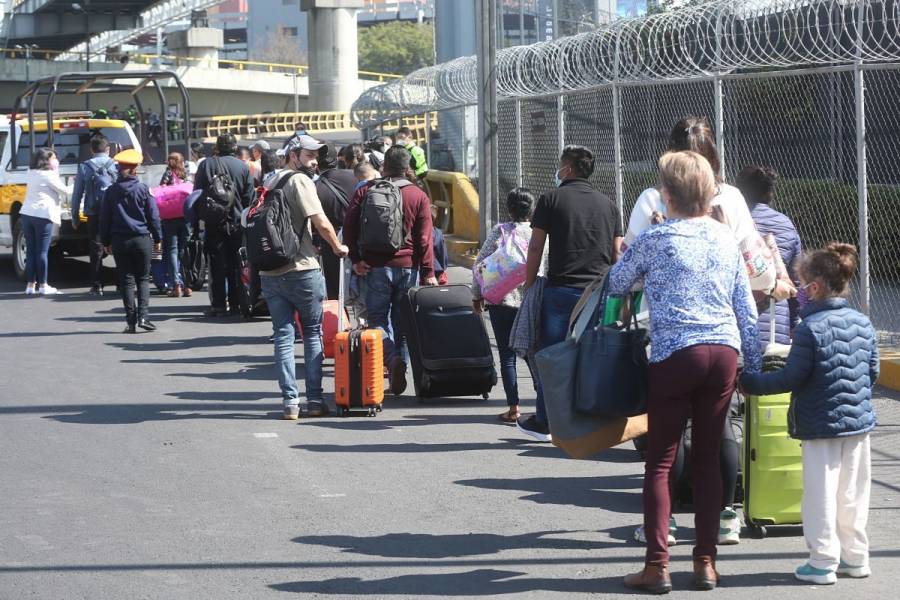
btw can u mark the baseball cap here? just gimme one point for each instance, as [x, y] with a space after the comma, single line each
[261, 144]
[308, 142]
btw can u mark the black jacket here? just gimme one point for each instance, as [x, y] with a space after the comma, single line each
[345, 181]
[240, 174]
[129, 210]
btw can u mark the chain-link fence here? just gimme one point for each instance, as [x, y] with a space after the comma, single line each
[811, 89]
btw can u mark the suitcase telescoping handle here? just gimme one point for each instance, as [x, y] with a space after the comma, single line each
[771, 320]
[341, 299]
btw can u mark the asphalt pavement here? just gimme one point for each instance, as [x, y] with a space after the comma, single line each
[155, 466]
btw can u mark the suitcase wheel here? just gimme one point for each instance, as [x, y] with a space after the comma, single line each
[371, 412]
[378, 408]
[758, 531]
[345, 412]
[485, 395]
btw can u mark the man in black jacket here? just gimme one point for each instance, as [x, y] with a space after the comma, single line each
[335, 188]
[223, 241]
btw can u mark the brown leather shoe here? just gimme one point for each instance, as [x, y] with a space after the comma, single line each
[176, 292]
[187, 292]
[705, 575]
[653, 579]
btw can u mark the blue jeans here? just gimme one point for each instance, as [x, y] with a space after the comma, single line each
[303, 292]
[175, 235]
[502, 319]
[38, 232]
[556, 308]
[385, 288]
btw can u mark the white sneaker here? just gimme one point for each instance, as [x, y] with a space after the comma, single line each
[854, 572]
[729, 527]
[48, 290]
[29, 290]
[641, 537]
[811, 574]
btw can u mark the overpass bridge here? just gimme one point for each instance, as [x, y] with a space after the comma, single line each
[217, 87]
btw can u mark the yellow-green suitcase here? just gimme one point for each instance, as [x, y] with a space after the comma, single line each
[773, 465]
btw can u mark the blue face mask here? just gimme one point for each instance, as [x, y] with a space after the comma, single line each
[557, 181]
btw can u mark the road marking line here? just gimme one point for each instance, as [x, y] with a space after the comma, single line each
[265, 435]
[332, 495]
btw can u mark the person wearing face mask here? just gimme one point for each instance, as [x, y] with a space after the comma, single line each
[585, 231]
[41, 210]
[299, 287]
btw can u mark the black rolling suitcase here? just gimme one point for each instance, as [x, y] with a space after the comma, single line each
[449, 347]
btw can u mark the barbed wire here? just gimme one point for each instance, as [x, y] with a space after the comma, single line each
[718, 37]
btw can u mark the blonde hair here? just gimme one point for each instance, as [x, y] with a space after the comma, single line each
[690, 181]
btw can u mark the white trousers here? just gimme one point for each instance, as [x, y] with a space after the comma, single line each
[837, 481]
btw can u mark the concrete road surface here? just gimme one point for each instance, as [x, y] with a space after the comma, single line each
[155, 466]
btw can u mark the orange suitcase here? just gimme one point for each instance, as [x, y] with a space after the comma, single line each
[331, 324]
[359, 371]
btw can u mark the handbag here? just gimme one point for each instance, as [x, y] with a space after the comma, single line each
[611, 376]
[504, 270]
[579, 435]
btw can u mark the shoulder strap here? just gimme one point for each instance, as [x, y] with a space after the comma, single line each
[338, 192]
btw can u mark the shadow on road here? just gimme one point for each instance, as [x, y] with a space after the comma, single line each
[413, 545]
[480, 582]
[584, 492]
[129, 414]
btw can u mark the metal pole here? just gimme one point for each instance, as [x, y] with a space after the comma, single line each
[296, 96]
[27, 68]
[521, 22]
[428, 137]
[87, 50]
[560, 104]
[861, 166]
[487, 114]
[617, 152]
[719, 100]
[519, 174]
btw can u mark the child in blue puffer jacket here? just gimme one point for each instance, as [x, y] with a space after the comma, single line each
[830, 371]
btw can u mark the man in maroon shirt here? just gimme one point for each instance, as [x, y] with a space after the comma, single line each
[390, 276]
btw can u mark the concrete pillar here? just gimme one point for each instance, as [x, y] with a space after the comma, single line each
[333, 53]
[200, 43]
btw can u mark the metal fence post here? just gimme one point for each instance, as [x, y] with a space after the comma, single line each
[862, 186]
[617, 153]
[487, 115]
[520, 176]
[719, 99]
[428, 137]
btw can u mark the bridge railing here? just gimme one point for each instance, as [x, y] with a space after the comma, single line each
[270, 124]
[176, 61]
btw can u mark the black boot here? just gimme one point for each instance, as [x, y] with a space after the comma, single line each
[129, 326]
[146, 325]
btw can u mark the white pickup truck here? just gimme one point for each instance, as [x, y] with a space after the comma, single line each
[71, 140]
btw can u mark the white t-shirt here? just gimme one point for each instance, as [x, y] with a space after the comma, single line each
[734, 208]
[729, 198]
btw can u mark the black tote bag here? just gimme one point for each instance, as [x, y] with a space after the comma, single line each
[611, 377]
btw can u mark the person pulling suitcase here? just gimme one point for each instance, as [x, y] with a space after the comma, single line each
[388, 229]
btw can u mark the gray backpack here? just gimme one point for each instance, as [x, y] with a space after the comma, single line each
[381, 217]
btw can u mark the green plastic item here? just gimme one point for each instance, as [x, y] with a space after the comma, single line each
[614, 307]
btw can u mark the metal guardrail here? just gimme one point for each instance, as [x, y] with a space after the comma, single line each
[271, 124]
[176, 61]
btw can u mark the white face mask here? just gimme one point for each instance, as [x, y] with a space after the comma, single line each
[556, 179]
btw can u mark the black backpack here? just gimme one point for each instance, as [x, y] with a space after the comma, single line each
[217, 205]
[381, 217]
[271, 240]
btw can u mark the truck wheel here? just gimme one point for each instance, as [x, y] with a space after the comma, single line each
[19, 250]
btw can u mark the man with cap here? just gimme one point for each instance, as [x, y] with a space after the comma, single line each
[130, 230]
[299, 286]
[335, 188]
[224, 240]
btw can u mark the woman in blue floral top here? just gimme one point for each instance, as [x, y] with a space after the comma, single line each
[703, 315]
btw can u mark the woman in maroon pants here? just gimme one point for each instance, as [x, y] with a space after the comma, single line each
[702, 314]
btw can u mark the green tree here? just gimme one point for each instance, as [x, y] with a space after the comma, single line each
[396, 47]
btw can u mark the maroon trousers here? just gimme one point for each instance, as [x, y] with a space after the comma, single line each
[695, 382]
